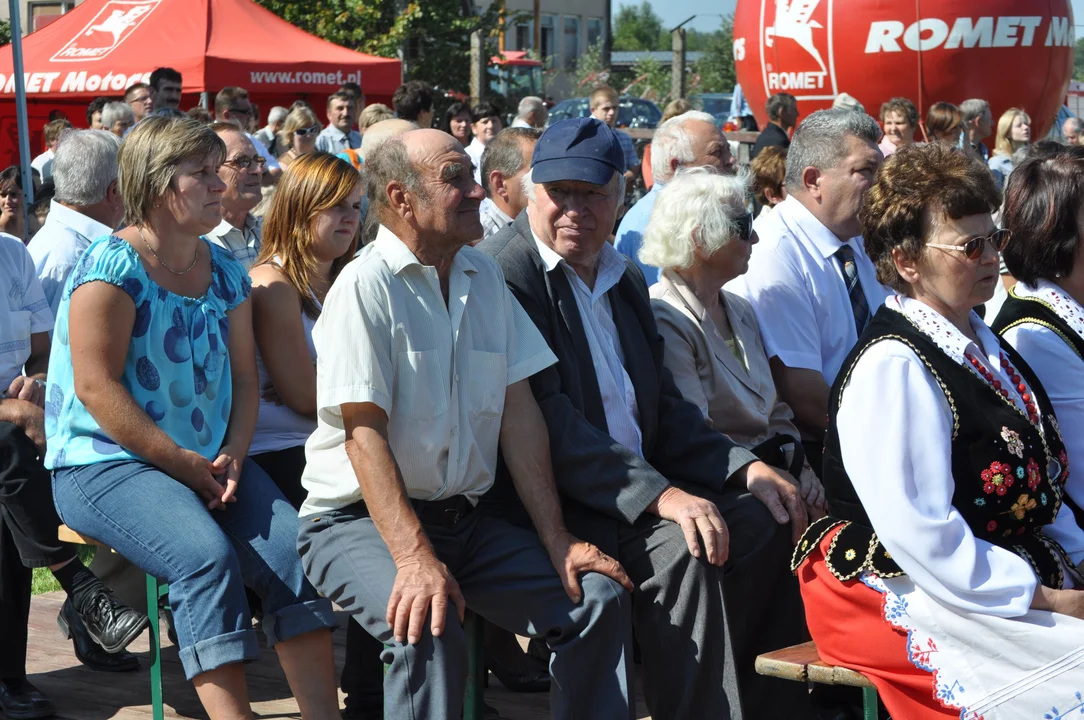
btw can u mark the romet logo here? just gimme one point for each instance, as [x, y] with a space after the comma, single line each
[109, 28]
[799, 33]
[965, 32]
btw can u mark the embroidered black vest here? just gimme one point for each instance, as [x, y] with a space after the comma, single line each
[999, 464]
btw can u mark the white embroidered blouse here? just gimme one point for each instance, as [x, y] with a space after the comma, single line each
[898, 457]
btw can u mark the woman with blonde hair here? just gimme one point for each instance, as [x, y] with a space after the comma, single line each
[309, 234]
[149, 418]
[298, 134]
[1013, 133]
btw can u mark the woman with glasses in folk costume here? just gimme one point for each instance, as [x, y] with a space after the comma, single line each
[946, 569]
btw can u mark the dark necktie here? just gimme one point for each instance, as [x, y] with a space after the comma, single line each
[845, 256]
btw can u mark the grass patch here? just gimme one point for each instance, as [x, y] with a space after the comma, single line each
[45, 582]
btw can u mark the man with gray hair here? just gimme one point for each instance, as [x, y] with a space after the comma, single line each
[810, 282]
[782, 111]
[117, 118]
[506, 159]
[978, 121]
[531, 113]
[688, 140]
[1073, 130]
[269, 134]
[86, 205]
[641, 474]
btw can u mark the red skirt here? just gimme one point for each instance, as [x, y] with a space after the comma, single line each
[846, 621]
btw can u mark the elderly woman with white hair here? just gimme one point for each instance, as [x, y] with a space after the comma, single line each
[701, 236]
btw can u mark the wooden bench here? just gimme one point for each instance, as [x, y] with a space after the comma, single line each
[802, 663]
[474, 706]
[156, 590]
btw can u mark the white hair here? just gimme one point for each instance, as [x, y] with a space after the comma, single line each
[114, 111]
[695, 211]
[527, 183]
[85, 165]
[673, 142]
[277, 114]
[528, 105]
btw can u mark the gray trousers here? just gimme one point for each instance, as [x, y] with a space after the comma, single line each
[506, 577]
[700, 627]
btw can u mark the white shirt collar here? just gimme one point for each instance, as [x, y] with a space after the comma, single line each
[1053, 296]
[611, 266]
[943, 333]
[823, 239]
[398, 257]
[225, 228]
[76, 221]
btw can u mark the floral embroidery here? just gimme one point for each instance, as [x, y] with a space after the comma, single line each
[1020, 472]
[948, 692]
[991, 526]
[1064, 467]
[850, 554]
[1033, 474]
[1012, 439]
[1042, 499]
[1022, 505]
[1076, 708]
[981, 502]
[896, 608]
[997, 478]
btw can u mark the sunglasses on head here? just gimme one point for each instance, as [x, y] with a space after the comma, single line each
[976, 246]
[306, 131]
[744, 225]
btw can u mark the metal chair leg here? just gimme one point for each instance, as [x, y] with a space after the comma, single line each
[869, 703]
[153, 593]
[474, 703]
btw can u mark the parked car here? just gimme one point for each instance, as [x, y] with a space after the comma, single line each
[631, 112]
[715, 104]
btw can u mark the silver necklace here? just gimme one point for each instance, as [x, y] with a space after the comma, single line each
[160, 262]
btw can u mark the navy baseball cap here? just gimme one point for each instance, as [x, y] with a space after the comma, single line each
[582, 149]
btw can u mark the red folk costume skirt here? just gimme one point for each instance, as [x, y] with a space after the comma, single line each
[929, 660]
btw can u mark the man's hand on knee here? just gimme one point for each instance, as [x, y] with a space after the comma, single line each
[421, 582]
[779, 493]
[28, 417]
[697, 517]
[572, 558]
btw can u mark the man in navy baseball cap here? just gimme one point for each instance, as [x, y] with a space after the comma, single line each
[641, 475]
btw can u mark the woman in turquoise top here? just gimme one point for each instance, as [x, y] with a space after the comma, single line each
[151, 407]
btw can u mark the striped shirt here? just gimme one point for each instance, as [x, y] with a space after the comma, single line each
[244, 243]
[614, 384]
[439, 370]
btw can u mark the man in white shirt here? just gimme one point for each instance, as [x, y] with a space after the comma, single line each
[239, 232]
[812, 285]
[269, 134]
[43, 163]
[688, 140]
[140, 98]
[424, 360]
[639, 471]
[87, 205]
[531, 113]
[233, 106]
[506, 159]
[338, 136]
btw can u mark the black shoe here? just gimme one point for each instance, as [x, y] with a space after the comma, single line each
[111, 623]
[527, 681]
[19, 700]
[86, 650]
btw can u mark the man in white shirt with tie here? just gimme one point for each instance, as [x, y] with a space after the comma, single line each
[812, 285]
[86, 206]
[338, 136]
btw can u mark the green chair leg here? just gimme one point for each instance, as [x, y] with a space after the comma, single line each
[474, 703]
[155, 590]
[869, 703]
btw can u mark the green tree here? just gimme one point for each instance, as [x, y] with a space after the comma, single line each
[715, 71]
[651, 81]
[638, 28]
[1078, 61]
[589, 71]
[5, 32]
[435, 33]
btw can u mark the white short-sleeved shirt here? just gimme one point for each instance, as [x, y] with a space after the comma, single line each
[440, 371]
[59, 245]
[795, 285]
[23, 308]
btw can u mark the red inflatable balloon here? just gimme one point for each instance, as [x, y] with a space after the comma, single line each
[1012, 53]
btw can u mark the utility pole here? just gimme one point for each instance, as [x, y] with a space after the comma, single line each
[607, 37]
[477, 67]
[538, 29]
[677, 68]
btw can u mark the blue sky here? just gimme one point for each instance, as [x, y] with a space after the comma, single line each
[674, 11]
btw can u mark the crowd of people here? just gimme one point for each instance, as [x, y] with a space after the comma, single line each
[410, 371]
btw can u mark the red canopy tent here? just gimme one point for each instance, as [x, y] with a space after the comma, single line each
[103, 46]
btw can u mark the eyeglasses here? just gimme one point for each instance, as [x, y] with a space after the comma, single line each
[244, 162]
[744, 226]
[306, 131]
[976, 246]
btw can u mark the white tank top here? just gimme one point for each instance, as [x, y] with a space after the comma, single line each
[277, 426]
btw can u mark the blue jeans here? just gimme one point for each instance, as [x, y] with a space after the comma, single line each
[206, 556]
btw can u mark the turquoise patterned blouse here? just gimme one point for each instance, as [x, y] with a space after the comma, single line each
[178, 365]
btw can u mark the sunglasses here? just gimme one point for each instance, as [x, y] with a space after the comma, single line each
[744, 226]
[306, 131]
[976, 246]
